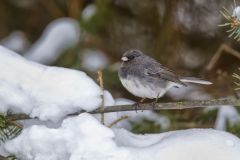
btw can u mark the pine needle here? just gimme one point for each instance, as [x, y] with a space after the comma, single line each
[8, 129]
[237, 83]
[232, 22]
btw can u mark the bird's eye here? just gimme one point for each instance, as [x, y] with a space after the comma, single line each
[131, 57]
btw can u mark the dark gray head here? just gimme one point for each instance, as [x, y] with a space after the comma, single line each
[131, 55]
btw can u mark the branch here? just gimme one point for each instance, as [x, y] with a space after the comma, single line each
[149, 106]
[224, 48]
[100, 80]
[117, 121]
[3, 158]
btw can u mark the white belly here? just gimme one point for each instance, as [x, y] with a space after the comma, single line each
[144, 91]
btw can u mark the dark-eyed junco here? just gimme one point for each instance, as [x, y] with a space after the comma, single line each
[144, 77]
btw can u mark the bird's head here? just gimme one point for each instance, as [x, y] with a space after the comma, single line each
[131, 55]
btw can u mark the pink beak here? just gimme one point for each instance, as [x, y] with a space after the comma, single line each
[124, 59]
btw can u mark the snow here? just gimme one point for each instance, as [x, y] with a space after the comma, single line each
[236, 12]
[109, 118]
[88, 12]
[199, 16]
[108, 99]
[83, 137]
[30, 122]
[49, 93]
[16, 41]
[192, 57]
[123, 101]
[190, 92]
[92, 60]
[226, 114]
[188, 144]
[76, 138]
[59, 35]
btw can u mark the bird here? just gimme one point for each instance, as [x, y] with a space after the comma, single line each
[146, 78]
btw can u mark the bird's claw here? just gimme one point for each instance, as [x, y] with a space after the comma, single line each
[136, 106]
[154, 103]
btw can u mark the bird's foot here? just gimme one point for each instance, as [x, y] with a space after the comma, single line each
[154, 103]
[136, 106]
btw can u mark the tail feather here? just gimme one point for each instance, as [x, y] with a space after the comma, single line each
[195, 80]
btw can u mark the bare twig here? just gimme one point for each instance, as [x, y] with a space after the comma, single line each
[16, 124]
[118, 120]
[222, 49]
[100, 80]
[238, 82]
[148, 106]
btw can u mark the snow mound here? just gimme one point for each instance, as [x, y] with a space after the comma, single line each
[58, 36]
[226, 114]
[16, 41]
[89, 12]
[236, 12]
[92, 60]
[48, 93]
[83, 137]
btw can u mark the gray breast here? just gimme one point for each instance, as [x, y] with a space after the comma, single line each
[133, 70]
[123, 72]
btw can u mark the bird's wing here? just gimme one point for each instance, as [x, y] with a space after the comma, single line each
[162, 72]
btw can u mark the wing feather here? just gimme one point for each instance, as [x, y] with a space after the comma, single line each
[162, 72]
